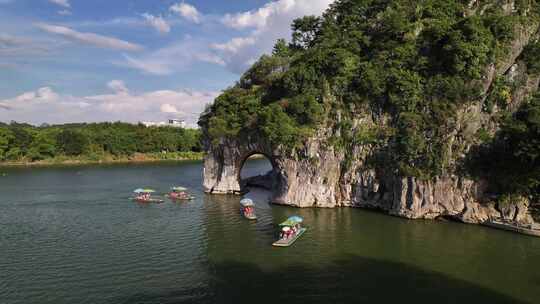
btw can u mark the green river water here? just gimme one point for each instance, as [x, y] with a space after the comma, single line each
[71, 235]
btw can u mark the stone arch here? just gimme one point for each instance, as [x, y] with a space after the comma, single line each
[265, 180]
[223, 164]
[308, 182]
[311, 181]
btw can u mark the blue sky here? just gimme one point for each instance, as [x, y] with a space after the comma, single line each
[131, 60]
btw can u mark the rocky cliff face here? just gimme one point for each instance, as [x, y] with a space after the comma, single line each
[320, 175]
[327, 183]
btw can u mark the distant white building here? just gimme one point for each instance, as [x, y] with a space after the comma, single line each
[180, 123]
[176, 123]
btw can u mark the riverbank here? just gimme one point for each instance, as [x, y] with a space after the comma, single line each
[107, 159]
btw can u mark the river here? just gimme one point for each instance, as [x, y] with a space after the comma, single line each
[71, 235]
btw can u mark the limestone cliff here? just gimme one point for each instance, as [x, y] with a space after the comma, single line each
[321, 180]
[320, 174]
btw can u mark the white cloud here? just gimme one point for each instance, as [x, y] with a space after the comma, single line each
[235, 44]
[158, 23]
[187, 11]
[148, 64]
[18, 52]
[64, 12]
[63, 3]
[174, 58]
[156, 105]
[90, 38]
[7, 41]
[46, 105]
[45, 95]
[258, 18]
[114, 22]
[118, 86]
[267, 24]
[14, 46]
[8, 65]
[40, 106]
[168, 108]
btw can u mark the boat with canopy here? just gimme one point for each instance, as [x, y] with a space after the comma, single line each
[291, 230]
[145, 196]
[180, 193]
[247, 209]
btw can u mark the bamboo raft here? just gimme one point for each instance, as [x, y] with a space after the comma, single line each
[288, 242]
[251, 216]
[148, 201]
[189, 198]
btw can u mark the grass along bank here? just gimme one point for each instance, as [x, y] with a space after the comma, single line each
[108, 159]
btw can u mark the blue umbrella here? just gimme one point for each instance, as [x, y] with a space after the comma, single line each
[296, 218]
[246, 202]
[138, 190]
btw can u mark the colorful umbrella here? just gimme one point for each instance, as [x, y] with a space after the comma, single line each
[296, 219]
[144, 191]
[246, 202]
[178, 188]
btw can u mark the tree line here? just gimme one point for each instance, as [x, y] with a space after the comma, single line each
[24, 142]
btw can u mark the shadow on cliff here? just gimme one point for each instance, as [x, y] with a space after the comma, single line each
[350, 280]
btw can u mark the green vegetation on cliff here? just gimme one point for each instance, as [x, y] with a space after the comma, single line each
[511, 160]
[94, 142]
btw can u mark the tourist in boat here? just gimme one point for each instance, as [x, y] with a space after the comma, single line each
[285, 232]
[291, 230]
[145, 196]
[179, 193]
[246, 209]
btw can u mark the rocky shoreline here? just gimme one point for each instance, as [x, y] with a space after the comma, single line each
[327, 183]
[266, 182]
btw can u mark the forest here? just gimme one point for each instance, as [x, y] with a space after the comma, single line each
[94, 141]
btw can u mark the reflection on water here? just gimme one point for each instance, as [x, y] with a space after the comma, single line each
[70, 235]
[351, 279]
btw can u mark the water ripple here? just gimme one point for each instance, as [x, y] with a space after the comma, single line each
[96, 246]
